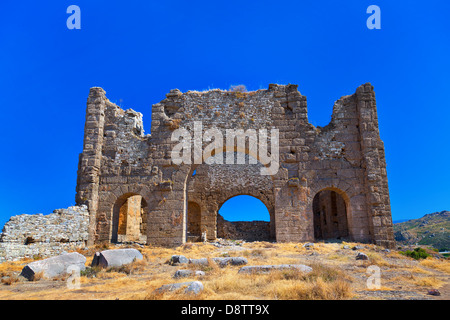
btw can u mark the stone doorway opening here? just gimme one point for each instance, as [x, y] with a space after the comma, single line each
[245, 217]
[330, 215]
[194, 217]
[130, 214]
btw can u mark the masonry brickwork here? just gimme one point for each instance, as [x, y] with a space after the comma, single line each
[39, 235]
[345, 160]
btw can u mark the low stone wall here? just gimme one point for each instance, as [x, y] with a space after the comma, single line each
[28, 236]
[243, 230]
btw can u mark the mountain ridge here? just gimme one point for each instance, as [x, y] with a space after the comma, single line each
[433, 229]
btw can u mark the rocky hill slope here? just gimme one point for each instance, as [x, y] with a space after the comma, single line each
[432, 229]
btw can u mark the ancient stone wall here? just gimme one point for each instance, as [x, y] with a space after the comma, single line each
[347, 156]
[243, 230]
[28, 236]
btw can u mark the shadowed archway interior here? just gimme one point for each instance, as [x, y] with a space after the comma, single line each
[330, 216]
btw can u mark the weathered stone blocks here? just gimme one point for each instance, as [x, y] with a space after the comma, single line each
[54, 266]
[115, 257]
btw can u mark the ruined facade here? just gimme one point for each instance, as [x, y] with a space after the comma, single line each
[331, 181]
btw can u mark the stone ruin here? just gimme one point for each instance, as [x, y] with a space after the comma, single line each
[331, 182]
[41, 236]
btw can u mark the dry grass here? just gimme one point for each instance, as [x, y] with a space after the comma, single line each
[376, 259]
[9, 280]
[38, 276]
[431, 282]
[335, 276]
[441, 265]
[323, 283]
[6, 268]
[416, 277]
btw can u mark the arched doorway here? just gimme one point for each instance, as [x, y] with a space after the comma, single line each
[130, 214]
[194, 215]
[330, 215]
[244, 217]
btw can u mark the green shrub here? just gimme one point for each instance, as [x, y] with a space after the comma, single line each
[417, 254]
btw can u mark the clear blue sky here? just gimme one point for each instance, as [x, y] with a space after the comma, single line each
[139, 50]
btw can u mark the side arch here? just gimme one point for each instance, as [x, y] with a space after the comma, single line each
[330, 208]
[129, 219]
[358, 223]
[108, 215]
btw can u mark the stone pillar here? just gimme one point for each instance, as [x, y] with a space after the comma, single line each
[372, 149]
[90, 158]
[133, 218]
[292, 219]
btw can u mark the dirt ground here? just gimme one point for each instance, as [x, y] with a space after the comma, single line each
[337, 275]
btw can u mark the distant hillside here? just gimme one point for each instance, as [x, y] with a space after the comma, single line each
[432, 229]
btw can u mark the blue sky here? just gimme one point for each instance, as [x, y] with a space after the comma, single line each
[137, 51]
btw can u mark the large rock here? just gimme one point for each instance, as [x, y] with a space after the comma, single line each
[178, 259]
[362, 256]
[234, 261]
[194, 287]
[268, 268]
[115, 258]
[201, 261]
[221, 261]
[54, 266]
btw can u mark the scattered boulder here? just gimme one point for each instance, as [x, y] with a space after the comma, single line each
[308, 245]
[178, 259]
[188, 273]
[346, 247]
[434, 292]
[357, 247]
[268, 268]
[115, 257]
[201, 261]
[194, 287]
[221, 261]
[234, 261]
[54, 266]
[362, 256]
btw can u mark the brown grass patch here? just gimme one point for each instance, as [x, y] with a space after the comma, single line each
[9, 280]
[38, 276]
[431, 282]
[441, 265]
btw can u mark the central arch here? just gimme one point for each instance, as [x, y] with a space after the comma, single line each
[210, 185]
[245, 217]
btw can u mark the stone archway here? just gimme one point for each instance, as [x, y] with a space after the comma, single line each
[194, 217]
[213, 184]
[249, 230]
[330, 212]
[129, 219]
